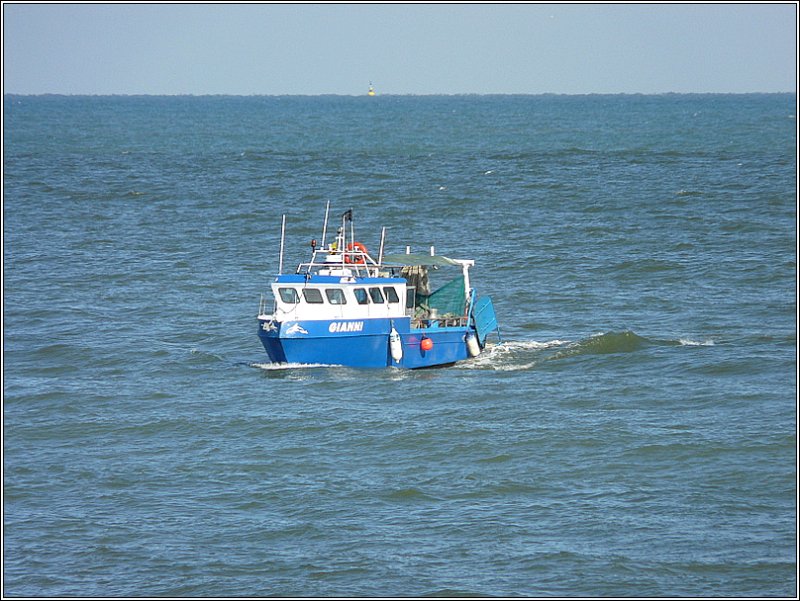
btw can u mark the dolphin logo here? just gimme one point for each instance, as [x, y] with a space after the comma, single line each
[296, 328]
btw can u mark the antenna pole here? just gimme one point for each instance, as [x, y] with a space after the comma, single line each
[283, 232]
[352, 228]
[325, 225]
[383, 239]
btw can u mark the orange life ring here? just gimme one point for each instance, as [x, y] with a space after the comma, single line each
[356, 257]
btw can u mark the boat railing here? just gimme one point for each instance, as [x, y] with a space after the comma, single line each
[445, 321]
[423, 317]
[355, 261]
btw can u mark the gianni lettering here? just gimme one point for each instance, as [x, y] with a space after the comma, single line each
[346, 326]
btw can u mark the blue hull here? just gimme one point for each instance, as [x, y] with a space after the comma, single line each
[361, 343]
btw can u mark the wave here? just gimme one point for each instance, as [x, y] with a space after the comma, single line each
[200, 356]
[608, 343]
[520, 355]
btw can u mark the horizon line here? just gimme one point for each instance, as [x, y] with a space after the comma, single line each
[333, 94]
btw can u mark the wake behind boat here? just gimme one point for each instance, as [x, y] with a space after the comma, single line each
[346, 307]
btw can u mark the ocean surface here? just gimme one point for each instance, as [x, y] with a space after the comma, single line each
[634, 432]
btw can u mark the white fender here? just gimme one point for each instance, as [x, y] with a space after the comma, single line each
[473, 348]
[395, 346]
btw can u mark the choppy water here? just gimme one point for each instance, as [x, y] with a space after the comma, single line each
[635, 434]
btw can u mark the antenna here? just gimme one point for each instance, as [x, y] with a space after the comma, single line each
[383, 239]
[283, 231]
[325, 225]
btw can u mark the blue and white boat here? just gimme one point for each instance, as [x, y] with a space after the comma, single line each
[347, 307]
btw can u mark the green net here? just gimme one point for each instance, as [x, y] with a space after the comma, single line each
[447, 300]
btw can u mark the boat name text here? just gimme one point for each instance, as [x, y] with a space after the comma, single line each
[346, 326]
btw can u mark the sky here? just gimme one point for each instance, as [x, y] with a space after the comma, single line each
[408, 48]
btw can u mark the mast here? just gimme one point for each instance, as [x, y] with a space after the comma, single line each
[325, 224]
[346, 216]
[283, 232]
[352, 227]
[380, 252]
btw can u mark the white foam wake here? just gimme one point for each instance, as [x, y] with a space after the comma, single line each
[688, 342]
[284, 366]
[512, 355]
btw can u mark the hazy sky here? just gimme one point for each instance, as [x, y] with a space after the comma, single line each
[264, 48]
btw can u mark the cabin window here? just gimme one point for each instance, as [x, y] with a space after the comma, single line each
[391, 294]
[411, 297]
[361, 296]
[335, 296]
[375, 295]
[312, 295]
[288, 295]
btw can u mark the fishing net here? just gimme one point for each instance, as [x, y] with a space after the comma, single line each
[447, 300]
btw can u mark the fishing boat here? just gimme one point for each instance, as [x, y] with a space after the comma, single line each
[348, 307]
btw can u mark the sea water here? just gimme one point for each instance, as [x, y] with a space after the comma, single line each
[633, 432]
